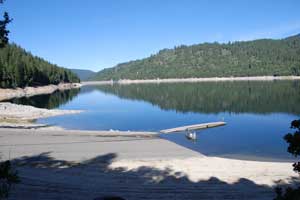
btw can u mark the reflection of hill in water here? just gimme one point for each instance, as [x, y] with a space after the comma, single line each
[215, 97]
[49, 101]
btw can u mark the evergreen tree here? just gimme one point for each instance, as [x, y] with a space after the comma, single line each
[293, 139]
[19, 68]
[3, 30]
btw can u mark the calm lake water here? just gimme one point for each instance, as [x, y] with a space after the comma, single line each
[258, 114]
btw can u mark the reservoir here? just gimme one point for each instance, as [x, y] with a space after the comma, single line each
[258, 113]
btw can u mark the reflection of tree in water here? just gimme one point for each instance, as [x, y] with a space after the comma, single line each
[215, 97]
[49, 101]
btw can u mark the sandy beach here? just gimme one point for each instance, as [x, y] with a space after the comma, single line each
[191, 80]
[61, 164]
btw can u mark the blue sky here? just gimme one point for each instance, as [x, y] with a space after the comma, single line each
[96, 34]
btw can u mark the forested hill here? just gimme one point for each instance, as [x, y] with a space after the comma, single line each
[83, 74]
[250, 58]
[19, 68]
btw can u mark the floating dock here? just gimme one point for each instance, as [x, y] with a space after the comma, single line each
[193, 127]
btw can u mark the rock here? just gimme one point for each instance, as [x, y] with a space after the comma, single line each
[10, 111]
[6, 94]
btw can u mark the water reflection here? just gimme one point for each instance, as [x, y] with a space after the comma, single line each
[49, 101]
[215, 97]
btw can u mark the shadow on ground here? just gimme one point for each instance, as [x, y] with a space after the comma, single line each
[43, 177]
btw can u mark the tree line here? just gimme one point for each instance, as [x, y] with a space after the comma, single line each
[19, 68]
[248, 58]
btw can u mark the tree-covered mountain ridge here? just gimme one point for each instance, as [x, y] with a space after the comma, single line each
[83, 74]
[19, 68]
[263, 57]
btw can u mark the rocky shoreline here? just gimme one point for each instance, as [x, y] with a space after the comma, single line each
[14, 114]
[192, 80]
[6, 94]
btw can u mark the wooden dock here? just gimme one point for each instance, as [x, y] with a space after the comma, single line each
[193, 127]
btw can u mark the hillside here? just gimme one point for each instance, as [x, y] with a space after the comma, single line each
[19, 68]
[250, 58]
[83, 74]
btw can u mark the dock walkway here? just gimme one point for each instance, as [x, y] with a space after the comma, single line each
[193, 127]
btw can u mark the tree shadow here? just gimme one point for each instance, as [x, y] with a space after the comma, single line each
[44, 177]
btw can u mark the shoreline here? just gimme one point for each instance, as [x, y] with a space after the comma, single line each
[88, 160]
[14, 114]
[8, 93]
[76, 164]
[192, 80]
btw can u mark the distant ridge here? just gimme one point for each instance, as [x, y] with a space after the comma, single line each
[263, 57]
[83, 74]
